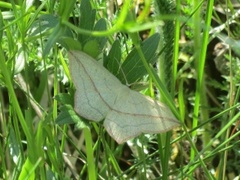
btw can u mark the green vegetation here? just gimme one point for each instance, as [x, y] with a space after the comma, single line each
[183, 53]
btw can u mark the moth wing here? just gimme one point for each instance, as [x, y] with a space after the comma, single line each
[134, 114]
[96, 88]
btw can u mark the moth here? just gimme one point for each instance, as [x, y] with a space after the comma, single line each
[125, 113]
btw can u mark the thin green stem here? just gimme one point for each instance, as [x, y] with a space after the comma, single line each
[14, 102]
[200, 68]
[90, 155]
[176, 48]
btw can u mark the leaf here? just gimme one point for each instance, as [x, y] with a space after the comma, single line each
[43, 24]
[133, 69]
[91, 47]
[101, 25]
[27, 171]
[114, 58]
[101, 96]
[58, 32]
[94, 45]
[64, 98]
[87, 19]
[70, 43]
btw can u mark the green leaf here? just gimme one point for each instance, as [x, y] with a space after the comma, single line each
[70, 43]
[14, 147]
[87, 19]
[27, 171]
[1, 25]
[65, 8]
[94, 45]
[91, 48]
[64, 98]
[69, 116]
[44, 23]
[132, 68]
[58, 32]
[113, 59]
[101, 25]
